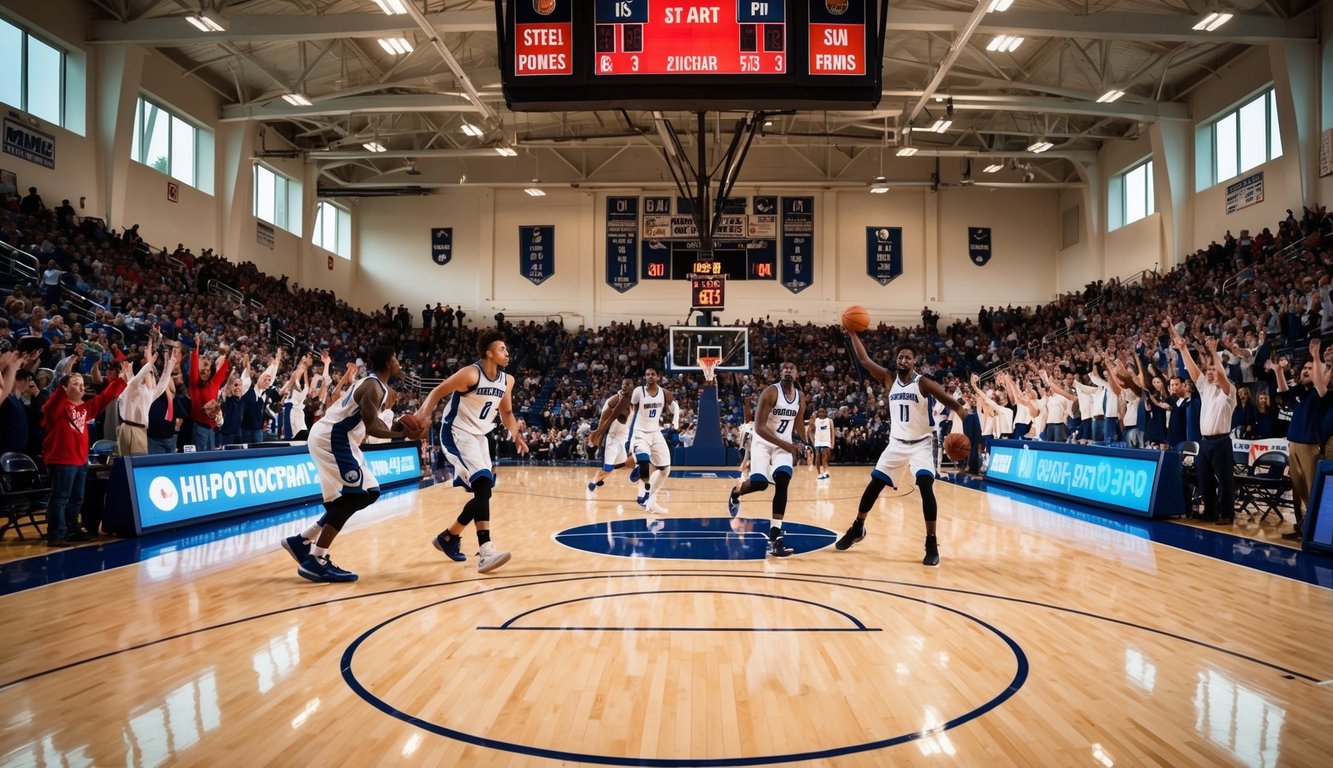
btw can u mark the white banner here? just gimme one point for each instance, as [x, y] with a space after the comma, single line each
[265, 234]
[30, 144]
[1246, 192]
[1326, 152]
[1256, 448]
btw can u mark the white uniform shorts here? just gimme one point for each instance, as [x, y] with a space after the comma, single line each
[339, 463]
[616, 450]
[654, 446]
[469, 454]
[917, 456]
[767, 460]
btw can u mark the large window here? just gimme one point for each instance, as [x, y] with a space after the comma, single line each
[166, 142]
[34, 79]
[1245, 137]
[333, 229]
[277, 199]
[1137, 192]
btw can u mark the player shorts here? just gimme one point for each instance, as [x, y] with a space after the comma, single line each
[616, 450]
[767, 460]
[918, 456]
[652, 445]
[339, 464]
[469, 454]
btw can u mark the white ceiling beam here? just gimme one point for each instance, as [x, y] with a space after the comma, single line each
[977, 103]
[173, 30]
[1154, 27]
[362, 104]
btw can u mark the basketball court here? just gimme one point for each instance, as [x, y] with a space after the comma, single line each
[1050, 635]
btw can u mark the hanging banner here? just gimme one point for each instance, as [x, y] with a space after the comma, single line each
[265, 234]
[656, 218]
[1326, 153]
[884, 253]
[978, 245]
[1246, 192]
[622, 242]
[798, 243]
[536, 253]
[763, 259]
[30, 144]
[441, 245]
[656, 260]
[764, 222]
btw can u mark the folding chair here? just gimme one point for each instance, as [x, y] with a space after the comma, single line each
[23, 491]
[1189, 475]
[1265, 487]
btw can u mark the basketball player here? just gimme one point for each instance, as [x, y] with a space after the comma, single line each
[911, 440]
[344, 477]
[476, 394]
[821, 430]
[777, 419]
[646, 440]
[616, 429]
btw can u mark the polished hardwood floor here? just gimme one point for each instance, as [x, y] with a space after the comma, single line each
[1043, 639]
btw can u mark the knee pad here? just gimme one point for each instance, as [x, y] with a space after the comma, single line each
[929, 509]
[758, 483]
[372, 496]
[481, 488]
[338, 511]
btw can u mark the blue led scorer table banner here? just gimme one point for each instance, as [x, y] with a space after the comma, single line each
[1141, 482]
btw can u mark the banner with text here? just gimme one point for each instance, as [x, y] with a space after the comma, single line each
[1326, 153]
[978, 245]
[1246, 192]
[30, 144]
[884, 253]
[441, 245]
[622, 242]
[265, 234]
[798, 243]
[536, 253]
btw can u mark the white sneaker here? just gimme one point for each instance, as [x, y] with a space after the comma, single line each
[655, 508]
[489, 558]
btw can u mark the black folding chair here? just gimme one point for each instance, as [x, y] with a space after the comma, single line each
[1189, 475]
[1266, 487]
[23, 491]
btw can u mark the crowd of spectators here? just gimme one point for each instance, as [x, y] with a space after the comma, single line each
[102, 297]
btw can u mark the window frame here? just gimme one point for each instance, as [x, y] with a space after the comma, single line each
[24, 66]
[1271, 143]
[139, 146]
[342, 246]
[287, 202]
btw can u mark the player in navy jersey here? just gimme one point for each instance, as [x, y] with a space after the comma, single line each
[779, 417]
[344, 477]
[477, 393]
[911, 440]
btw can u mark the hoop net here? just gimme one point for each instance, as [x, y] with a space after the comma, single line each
[709, 366]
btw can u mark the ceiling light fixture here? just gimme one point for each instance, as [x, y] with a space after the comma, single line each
[906, 151]
[941, 126]
[207, 22]
[879, 185]
[1212, 21]
[506, 151]
[999, 6]
[535, 191]
[993, 168]
[1110, 96]
[1039, 146]
[296, 99]
[471, 130]
[374, 146]
[1004, 44]
[391, 7]
[395, 46]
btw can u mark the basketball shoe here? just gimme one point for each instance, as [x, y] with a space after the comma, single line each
[449, 544]
[297, 547]
[489, 558]
[323, 570]
[777, 545]
[932, 551]
[852, 536]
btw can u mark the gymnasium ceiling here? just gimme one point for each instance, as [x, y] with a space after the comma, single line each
[415, 104]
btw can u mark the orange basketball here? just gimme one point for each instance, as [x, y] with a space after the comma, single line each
[412, 427]
[855, 318]
[957, 446]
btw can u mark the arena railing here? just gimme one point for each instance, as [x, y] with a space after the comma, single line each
[19, 263]
[86, 310]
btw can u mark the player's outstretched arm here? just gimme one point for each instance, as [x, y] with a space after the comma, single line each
[878, 371]
[933, 388]
[507, 417]
[462, 379]
[367, 398]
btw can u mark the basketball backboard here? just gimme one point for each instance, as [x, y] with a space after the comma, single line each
[689, 343]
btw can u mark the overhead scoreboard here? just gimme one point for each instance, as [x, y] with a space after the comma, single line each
[691, 54]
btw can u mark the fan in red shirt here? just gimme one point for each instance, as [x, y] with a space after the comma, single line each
[204, 384]
[65, 418]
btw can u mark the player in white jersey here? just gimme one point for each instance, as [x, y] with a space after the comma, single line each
[615, 428]
[650, 449]
[911, 440]
[778, 418]
[344, 478]
[821, 435]
[477, 393]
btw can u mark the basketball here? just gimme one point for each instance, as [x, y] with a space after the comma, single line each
[412, 427]
[855, 318]
[957, 446]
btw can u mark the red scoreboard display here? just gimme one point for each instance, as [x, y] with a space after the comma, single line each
[691, 54]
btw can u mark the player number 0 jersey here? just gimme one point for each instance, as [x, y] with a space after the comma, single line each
[474, 411]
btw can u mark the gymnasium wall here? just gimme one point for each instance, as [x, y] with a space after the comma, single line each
[395, 265]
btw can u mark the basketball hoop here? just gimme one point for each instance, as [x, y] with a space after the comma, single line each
[709, 366]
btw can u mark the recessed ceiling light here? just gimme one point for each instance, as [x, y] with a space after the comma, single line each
[374, 146]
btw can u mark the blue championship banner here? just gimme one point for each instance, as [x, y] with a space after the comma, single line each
[442, 245]
[622, 242]
[978, 245]
[884, 253]
[798, 243]
[29, 144]
[536, 253]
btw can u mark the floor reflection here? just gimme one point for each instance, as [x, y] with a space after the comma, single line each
[1238, 718]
